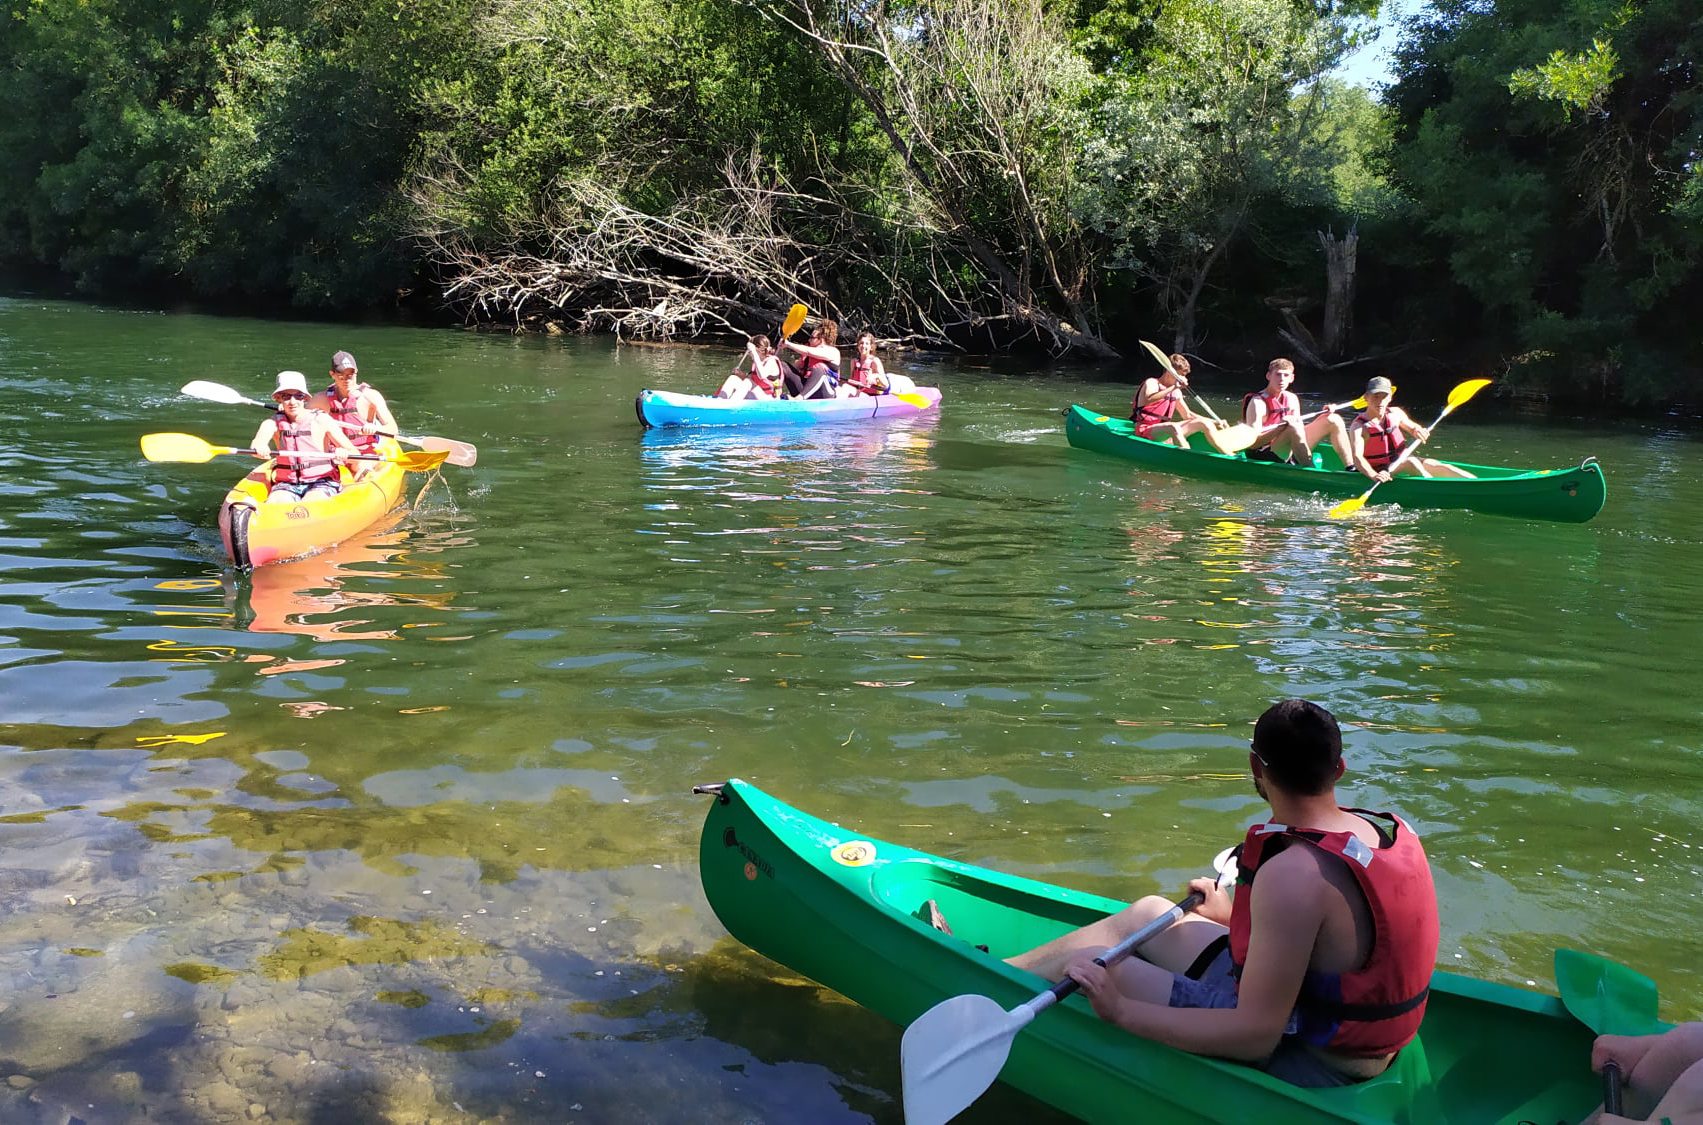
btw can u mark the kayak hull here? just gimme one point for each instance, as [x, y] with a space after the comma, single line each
[666, 408]
[255, 533]
[1570, 495]
[843, 908]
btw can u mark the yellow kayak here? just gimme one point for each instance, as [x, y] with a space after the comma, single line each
[256, 533]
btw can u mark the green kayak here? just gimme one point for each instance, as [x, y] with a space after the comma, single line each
[1571, 495]
[843, 909]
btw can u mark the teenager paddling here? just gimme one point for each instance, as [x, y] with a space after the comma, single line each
[760, 377]
[817, 375]
[298, 429]
[1276, 413]
[356, 407]
[1158, 410]
[1380, 432]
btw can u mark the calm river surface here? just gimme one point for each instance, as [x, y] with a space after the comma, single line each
[405, 832]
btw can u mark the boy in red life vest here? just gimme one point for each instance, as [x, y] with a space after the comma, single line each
[1158, 410]
[356, 408]
[298, 429]
[1276, 413]
[1318, 971]
[1379, 433]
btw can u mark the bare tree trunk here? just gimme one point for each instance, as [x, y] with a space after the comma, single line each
[1339, 290]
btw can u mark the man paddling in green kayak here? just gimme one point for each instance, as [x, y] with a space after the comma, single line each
[1319, 978]
[1159, 412]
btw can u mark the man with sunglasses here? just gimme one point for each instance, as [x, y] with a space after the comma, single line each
[1321, 976]
[301, 430]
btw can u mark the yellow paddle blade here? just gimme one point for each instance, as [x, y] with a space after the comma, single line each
[919, 401]
[1348, 507]
[186, 448]
[424, 461]
[1465, 391]
[794, 318]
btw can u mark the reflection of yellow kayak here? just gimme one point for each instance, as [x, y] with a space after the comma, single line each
[256, 533]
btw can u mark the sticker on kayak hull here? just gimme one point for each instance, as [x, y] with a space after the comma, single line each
[855, 853]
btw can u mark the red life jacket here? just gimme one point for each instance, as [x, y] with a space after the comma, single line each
[1377, 1008]
[1276, 412]
[299, 438]
[1383, 440]
[862, 371]
[1156, 410]
[348, 410]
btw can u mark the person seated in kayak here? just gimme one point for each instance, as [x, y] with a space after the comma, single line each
[1317, 971]
[298, 429]
[1380, 432]
[817, 374]
[1276, 413]
[355, 407]
[759, 375]
[1158, 409]
[867, 376]
[1664, 1075]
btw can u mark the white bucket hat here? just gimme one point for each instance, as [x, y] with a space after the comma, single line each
[290, 381]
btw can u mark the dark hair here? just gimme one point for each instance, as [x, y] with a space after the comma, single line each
[760, 342]
[1300, 744]
[830, 332]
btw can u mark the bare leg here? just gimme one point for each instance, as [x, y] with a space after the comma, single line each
[1332, 426]
[1173, 950]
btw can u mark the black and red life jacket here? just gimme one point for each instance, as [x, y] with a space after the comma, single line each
[1276, 412]
[1383, 441]
[1377, 1008]
[1156, 410]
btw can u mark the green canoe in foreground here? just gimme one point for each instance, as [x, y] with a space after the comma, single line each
[1568, 495]
[842, 909]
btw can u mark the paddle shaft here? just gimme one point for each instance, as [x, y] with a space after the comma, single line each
[1413, 446]
[1611, 1087]
[218, 392]
[1121, 950]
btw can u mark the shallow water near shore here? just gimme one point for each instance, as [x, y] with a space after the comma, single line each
[404, 831]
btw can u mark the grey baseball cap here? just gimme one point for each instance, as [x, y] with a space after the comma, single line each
[343, 360]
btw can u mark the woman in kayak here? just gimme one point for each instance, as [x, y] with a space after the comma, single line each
[297, 429]
[760, 377]
[818, 375]
[1276, 413]
[1380, 432]
[1159, 412]
[356, 408]
[1318, 971]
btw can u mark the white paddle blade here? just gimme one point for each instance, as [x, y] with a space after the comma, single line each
[951, 1054]
[217, 392]
[460, 453]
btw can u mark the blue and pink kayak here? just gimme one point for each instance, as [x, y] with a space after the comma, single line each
[665, 408]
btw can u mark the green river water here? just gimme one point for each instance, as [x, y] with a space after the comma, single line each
[404, 831]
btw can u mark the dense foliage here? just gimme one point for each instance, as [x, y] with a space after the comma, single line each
[973, 173]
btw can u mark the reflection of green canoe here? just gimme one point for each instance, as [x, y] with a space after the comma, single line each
[843, 909]
[1571, 495]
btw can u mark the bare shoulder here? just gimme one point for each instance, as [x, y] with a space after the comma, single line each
[1297, 875]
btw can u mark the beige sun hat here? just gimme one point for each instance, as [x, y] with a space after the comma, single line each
[290, 381]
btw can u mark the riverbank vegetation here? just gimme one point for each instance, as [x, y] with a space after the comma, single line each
[984, 175]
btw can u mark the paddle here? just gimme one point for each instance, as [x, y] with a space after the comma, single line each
[1610, 999]
[460, 452]
[189, 449]
[1234, 443]
[1457, 397]
[953, 1052]
[1226, 438]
